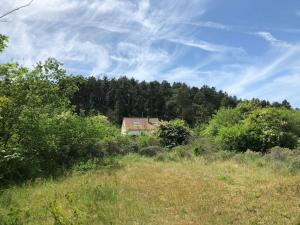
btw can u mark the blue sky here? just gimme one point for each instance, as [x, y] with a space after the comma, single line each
[248, 48]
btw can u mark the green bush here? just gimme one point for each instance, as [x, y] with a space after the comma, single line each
[233, 138]
[270, 127]
[39, 133]
[174, 133]
[113, 148]
[278, 153]
[255, 128]
[279, 159]
[145, 140]
[133, 147]
[151, 151]
[224, 118]
[162, 157]
[183, 152]
[294, 166]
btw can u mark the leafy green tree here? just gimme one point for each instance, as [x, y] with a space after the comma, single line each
[39, 133]
[3, 42]
[173, 133]
[270, 127]
[251, 127]
[224, 118]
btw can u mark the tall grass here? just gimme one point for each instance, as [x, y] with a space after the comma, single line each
[147, 191]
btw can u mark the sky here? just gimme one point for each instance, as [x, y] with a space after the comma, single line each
[248, 48]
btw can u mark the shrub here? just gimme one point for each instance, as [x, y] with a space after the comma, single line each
[90, 164]
[174, 133]
[224, 118]
[151, 151]
[256, 128]
[133, 147]
[162, 156]
[112, 148]
[183, 152]
[85, 166]
[250, 157]
[233, 137]
[278, 153]
[145, 140]
[203, 145]
[39, 133]
[270, 127]
[294, 166]
[284, 158]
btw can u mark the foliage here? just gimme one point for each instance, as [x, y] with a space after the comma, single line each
[124, 97]
[233, 137]
[203, 145]
[150, 151]
[224, 118]
[173, 133]
[271, 127]
[183, 152]
[39, 132]
[145, 140]
[3, 42]
[250, 126]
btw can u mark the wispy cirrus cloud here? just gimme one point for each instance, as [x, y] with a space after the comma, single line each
[210, 24]
[272, 40]
[206, 46]
[256, 74]
[70, 30]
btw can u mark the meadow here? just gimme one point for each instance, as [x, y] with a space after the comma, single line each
[140, 190]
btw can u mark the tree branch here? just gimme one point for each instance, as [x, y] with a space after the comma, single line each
[16, 9]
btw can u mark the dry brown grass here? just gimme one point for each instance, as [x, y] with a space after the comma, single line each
[150, 192]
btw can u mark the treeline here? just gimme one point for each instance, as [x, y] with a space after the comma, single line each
[124, 97]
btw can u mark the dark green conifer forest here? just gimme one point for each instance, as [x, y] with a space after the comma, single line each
[128, 97]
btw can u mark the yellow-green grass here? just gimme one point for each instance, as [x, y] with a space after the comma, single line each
[145, 191]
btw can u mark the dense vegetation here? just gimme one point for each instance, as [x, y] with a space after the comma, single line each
[39, 131]
[50, 121]
[123, 97]
[250, 126]
[53, 124]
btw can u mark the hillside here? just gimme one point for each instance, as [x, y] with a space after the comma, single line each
[146, 191]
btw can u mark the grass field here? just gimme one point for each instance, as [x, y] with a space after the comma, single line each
[145, 191]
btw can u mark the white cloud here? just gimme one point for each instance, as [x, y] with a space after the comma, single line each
[206, 46]
[184, 73]
[272, 40]
[87, 33]
[254, 74]
[280, 88]
[210, 24]
[109, 36]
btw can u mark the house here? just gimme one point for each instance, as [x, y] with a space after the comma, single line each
[137, 126]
